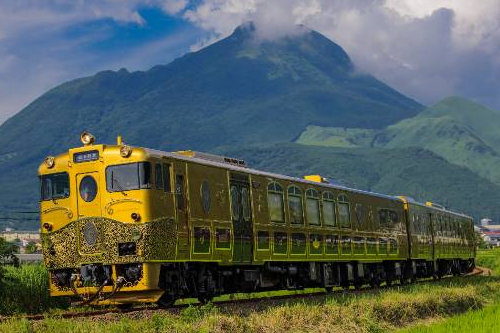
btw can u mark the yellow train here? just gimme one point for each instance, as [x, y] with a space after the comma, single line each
[124, 224]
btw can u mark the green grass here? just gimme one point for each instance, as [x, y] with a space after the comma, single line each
[486, 319]
[376, 311]
[25, 289]
[490, 259]
[446, 305]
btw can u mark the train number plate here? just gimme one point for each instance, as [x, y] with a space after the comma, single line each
[86, 156]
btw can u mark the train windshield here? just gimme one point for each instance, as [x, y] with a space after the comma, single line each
[125, 177]
[54, 186]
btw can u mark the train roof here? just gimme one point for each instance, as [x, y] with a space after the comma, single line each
[434, 207]
[245, 169]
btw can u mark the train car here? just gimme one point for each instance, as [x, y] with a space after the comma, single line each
[125, 224]
[441, 242]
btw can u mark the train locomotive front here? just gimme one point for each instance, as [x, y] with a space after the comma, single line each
[102, 235]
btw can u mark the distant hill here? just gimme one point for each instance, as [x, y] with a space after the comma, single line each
[462, 132]
[237, 91]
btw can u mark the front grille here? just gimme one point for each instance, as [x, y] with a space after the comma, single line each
[90, 235]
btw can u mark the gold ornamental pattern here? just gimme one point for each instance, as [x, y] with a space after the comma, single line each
[69, 247]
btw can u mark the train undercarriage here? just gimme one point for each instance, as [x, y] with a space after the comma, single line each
[121, 283]
[206, 280]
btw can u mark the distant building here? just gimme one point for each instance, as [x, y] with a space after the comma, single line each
[491, 231]
[22, 239]
[485, 222]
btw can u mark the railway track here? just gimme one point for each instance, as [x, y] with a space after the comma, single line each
[176, 309]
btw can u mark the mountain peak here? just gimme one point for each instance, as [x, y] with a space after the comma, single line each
[250, 30]
[457, 104]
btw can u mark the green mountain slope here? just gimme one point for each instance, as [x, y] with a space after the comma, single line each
[413, 172]
[462, 132]
[337, 137]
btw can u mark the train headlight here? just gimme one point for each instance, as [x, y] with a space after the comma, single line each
[125, 151]
[47, 226]
[87, 138]
[50, 161]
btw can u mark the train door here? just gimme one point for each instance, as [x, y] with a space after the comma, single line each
[181, 211]
[89, 197]
[242, 217]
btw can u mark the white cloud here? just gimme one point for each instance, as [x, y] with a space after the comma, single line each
[174, 6]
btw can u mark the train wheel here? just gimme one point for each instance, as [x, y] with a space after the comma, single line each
[375, 282]
[124, 307]
[205, 298]
[166, 301]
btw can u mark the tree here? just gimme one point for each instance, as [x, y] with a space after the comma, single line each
[7, 251]
[30, 247]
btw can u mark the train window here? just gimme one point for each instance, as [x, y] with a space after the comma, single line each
[299, 244]
[205, 196]
[359, 215]
[201, 240]
[390, 219]
[331, 244]
[312, 207]
[235, 202]
[88, 188]
[295, 205]
[223, 238]
[393, 246]
[158, 177]
[329, 216]
[344, 212]
[54, 186]
[179, 191]
[275, 202]
[166, 178]
[382, 245]
[245, 203]
[345, 245]
[371, 246]
[131, 176]
[438, 225]
[263, 240]
[359, 245]
[280, 243]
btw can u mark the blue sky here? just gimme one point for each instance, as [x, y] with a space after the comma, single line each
[427, 49]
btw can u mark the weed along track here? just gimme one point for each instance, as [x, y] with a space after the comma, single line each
[240, 303]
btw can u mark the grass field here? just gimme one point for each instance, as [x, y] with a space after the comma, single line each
[377, 311]
[453, 304]
[483, 320]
